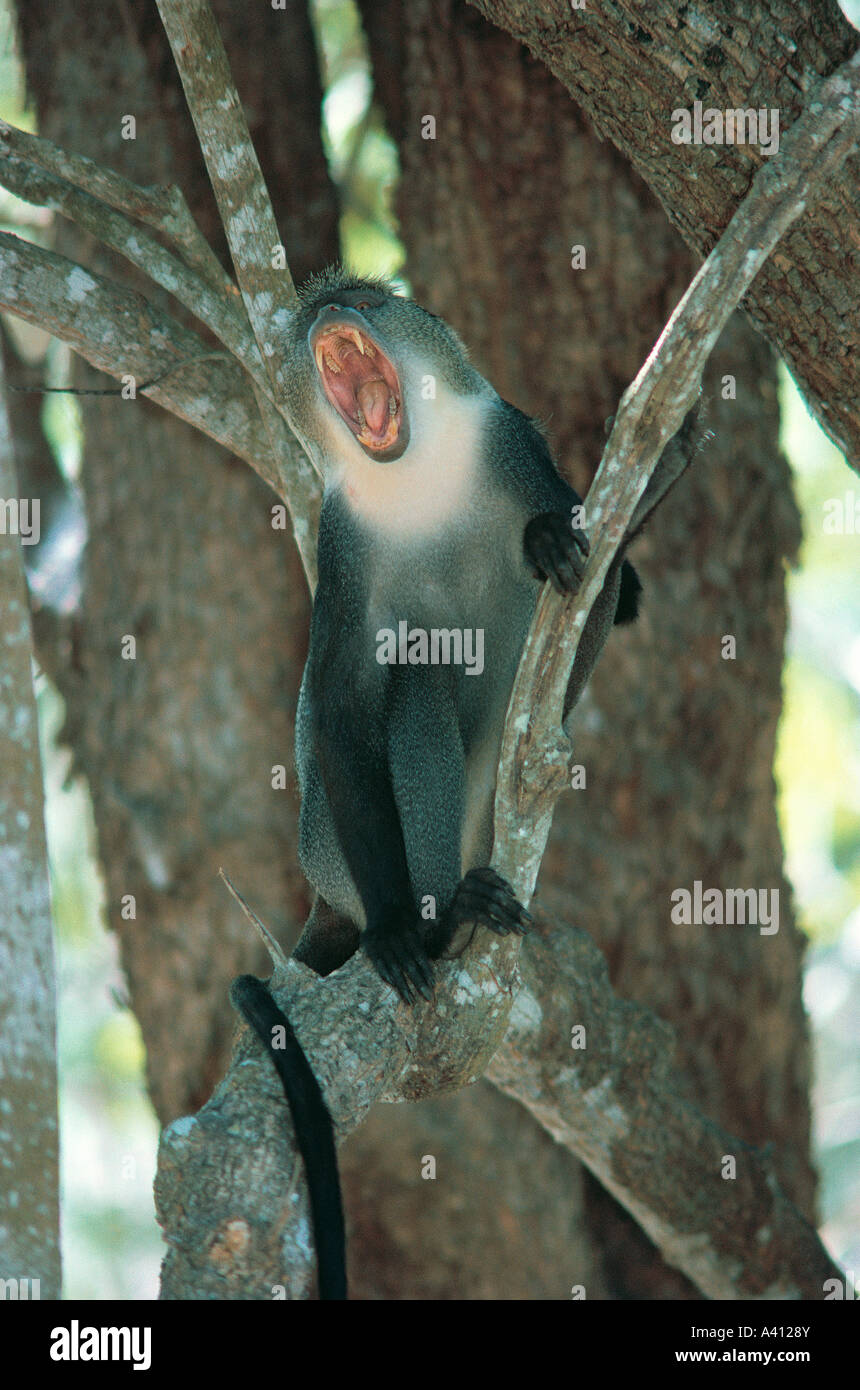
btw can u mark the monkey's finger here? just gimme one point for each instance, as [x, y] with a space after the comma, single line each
[569, 562]
[563, 568]
[423, 985]
[499, 893]
[415, 964]
[393, 975]
[472, 906]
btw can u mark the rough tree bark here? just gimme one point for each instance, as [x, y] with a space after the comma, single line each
[29, 1138]
[630, 67]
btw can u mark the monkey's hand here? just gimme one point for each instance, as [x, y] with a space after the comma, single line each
[485, 898]
[554, 550]
[399, 954]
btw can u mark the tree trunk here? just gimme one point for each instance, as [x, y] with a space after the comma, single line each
[632, 68]
[29, 1140]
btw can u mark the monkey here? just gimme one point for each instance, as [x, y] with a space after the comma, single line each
[443, 509]
[443, 513]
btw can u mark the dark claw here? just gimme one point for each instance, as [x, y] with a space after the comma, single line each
[400, 959]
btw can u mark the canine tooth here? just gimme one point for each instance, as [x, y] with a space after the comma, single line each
[318, 356]
[356, 337]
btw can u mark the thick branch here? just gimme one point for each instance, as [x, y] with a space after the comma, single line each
[629, 67]
[609, 1108]
[617, 1104]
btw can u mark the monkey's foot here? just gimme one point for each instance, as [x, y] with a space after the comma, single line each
[398, 952]
[487, 899]
[552, 551]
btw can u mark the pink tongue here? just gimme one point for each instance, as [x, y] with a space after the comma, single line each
[373, 399]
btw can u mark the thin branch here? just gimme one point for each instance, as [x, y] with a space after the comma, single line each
[121, 333]
[37, 170]
[534, 753]
[272, 945]
[162, 208]
[237, 180]
[221, 314]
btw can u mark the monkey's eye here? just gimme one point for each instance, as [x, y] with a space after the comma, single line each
[363, 304]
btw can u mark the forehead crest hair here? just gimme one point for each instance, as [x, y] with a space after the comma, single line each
[336, 278]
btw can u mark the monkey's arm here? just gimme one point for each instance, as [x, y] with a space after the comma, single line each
[554, 548]
[673, 461]
[556, 551]
[607, 609]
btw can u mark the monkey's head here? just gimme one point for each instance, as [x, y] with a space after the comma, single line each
[358, 356]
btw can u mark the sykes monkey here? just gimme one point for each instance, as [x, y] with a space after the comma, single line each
[442, 510]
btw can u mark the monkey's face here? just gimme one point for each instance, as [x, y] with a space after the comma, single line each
[358, 373]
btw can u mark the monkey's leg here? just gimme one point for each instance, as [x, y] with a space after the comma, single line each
[428, 773]
[352, 761]
[428, 777]
[328, 940]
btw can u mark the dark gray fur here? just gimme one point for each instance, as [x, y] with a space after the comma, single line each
[397, 763]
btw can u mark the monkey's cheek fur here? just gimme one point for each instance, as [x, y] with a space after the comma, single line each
[362, 384]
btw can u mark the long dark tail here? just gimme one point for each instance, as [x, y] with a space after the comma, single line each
[314, 1130]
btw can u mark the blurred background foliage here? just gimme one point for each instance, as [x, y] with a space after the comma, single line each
[111, 1244]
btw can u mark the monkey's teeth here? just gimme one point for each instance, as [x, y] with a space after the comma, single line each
[359, 418]
[356, 338]
[392, 406]
[332, 364]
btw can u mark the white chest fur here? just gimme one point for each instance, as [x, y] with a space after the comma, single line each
[421, 493]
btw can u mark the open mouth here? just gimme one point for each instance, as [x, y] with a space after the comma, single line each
[363, 386]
